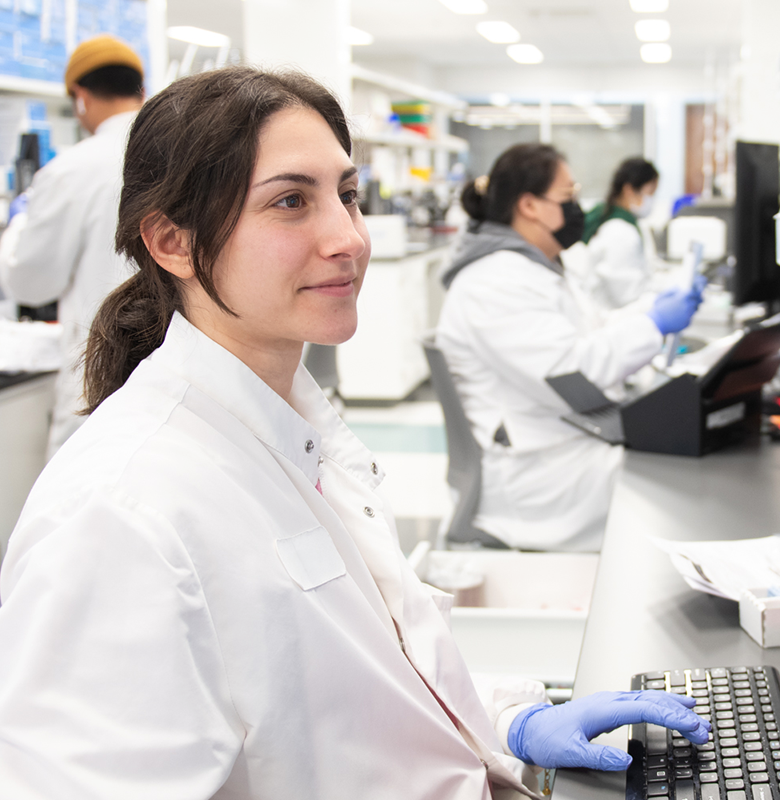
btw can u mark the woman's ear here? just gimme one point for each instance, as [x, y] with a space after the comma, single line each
[526, 206]
[168, 244]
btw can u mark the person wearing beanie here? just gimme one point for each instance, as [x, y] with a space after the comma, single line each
[61, 246]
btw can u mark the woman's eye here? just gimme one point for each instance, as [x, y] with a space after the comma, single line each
[291, 201]
[349, 198]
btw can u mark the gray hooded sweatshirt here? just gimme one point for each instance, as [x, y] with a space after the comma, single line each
[483, 238]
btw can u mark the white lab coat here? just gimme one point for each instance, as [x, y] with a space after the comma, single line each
[62, 249]
[185, 616]
[618, 271]
[507, 323]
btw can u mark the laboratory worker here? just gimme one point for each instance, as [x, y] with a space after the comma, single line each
[618, 271]
[62, 247]
[204, 596]
[511, 319]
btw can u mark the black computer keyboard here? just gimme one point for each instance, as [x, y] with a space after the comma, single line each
[742, 759]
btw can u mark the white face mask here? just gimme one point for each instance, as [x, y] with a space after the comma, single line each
[644, 209]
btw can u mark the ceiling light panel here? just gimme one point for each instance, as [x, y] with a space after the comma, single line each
[649, 6]
[465, 6]
[198, 36]
[525, 53]
[656, 53]
[652, 30]
[498, 32]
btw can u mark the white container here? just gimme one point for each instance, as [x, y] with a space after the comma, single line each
[759, 615]
[388, 235]
[534, 613]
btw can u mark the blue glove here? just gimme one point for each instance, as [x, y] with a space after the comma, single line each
[673, 309]
[18, 205]
[559, 736]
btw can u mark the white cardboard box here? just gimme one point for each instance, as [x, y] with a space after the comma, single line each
[534, 613]
[759, 615]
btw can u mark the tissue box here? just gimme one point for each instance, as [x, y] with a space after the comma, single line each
[759, 615]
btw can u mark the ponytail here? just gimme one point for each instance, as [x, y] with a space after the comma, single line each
[473, 202]
[130, 325]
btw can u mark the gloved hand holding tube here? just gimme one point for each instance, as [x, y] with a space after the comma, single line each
[559, 736]
[18, 205]
[673, 309]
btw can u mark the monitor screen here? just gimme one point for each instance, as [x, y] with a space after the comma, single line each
[756, 274]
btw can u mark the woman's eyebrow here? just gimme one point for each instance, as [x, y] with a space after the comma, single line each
[297, 177]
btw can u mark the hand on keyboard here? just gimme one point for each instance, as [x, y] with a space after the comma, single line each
[559, 736]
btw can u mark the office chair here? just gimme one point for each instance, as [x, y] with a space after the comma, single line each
[464, 471]
[320, 360]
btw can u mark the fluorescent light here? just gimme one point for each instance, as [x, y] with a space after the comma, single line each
[186, 33]
[652, 30]
[525, 53]
[499, 99]
[498, 32]
[656, 53]
[466, 6]
[358, 38]
[649, 6]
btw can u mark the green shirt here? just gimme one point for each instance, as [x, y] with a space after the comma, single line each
[600, 214]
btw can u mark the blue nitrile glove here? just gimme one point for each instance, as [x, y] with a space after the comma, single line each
[673, 309]
[559, 736]
[18, 205]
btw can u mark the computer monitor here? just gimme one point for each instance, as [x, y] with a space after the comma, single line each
[756, 273]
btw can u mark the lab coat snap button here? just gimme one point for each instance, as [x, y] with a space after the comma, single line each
[368, 511]
[309, 445]
[374, 468]
[484, 763]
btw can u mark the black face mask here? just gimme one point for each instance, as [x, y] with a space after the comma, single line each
[573, 224]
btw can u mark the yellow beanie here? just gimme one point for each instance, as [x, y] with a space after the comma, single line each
[100, 51]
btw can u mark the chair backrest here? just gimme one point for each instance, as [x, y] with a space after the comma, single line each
[464, 472]
[320, 360]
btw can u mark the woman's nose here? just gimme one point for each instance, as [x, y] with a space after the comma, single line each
[342, 238]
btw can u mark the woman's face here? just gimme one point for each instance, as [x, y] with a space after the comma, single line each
[292, 268]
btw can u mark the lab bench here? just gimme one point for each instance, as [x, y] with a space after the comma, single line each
[643, 616]
[26, 402]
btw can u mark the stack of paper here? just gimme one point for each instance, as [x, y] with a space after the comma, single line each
[725, 568]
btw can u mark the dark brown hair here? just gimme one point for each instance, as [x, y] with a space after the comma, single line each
[190, 157]
[520, 169]
[636, 172]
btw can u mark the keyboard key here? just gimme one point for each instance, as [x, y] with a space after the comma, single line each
[729, 742]
[655, 739]
[705, 746]
[736, 783]
[736, 795]
[751, 737]
[759, 756]
[741, 684]
[661, 774]
[769, 717]
[658, 789]
[732, 773]
[757, 766]
[774, 745]
[711, 792]
[742, 692]
[762, 792]
[687, 772]
[698, 684]
[730, 752]
[731, 762]
[709, 755]
[683, 790]
[655, 685]
[748, 718]
[719, 673]
[677, 677]
[746, 709]
[708, 766]
[759, 777]
[724, 714]
[709, 777]
[699, 674]
[753, 746]
[749, 726]
[656, 761]
[770, 726]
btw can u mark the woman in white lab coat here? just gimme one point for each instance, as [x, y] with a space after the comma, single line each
[510, 319]
[617, 269]
[204, 596]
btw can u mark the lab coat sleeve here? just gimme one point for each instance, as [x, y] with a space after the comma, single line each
[44, 244]
[111, 677]
[620, 271]
[526, 335]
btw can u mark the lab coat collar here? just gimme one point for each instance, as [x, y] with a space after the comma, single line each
[483, 238]
[299, 430]
[116, 123]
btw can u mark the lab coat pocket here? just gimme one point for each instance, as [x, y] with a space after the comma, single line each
[310, 558]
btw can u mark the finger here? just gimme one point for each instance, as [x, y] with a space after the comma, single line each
[691, 725]
[598, 756]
